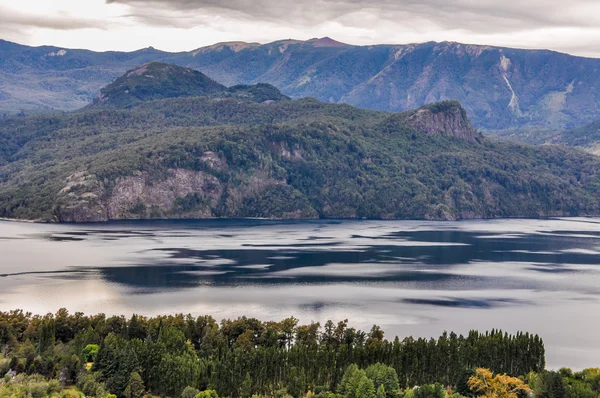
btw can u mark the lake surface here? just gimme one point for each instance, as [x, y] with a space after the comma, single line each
[409, 277]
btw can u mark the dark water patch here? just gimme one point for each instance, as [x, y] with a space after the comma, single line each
[552, 269]
[275, 245]
[284, 257]
[464, 302]
[313, 238]
[55, 238]
[319, 306]
[183, 276]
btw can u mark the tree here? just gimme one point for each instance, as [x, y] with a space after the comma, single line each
[46, 339]
[190, 392]
[296, 382]
[89, 352]
[207, 394]
[498, 386]
[385, 376]
[548, 385]
[135, 388]
[246, 387]
[135, 329]
[429, 391]
[366, 388]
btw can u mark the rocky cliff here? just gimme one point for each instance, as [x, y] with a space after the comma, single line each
[445, 118]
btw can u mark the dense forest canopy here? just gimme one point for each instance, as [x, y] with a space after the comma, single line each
[250, 152]
[166, 355]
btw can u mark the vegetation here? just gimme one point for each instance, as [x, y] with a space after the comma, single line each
[185, 356]
[586, 137]
[156, 80]
[227, 155]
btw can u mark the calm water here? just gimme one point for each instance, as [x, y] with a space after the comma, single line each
[410, 277]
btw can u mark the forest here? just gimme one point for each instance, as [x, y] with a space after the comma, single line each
[74, 355]
[287, 159]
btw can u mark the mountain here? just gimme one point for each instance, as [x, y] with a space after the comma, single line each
[226, 154]
[500, 88]
[156, 80]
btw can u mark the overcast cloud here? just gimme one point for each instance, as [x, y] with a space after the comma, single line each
[176, 25]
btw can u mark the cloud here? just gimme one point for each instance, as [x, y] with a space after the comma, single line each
[178, 25]
[13, 20]
[478, 16]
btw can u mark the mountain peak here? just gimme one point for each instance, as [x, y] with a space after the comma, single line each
[156, 80]
[326, 42]
[234, 46]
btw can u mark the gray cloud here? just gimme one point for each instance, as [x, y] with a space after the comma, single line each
[477, 16]
[12, 21]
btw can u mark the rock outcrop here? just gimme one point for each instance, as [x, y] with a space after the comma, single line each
[446, 118]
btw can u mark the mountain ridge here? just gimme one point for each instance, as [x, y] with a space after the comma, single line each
[501, 88]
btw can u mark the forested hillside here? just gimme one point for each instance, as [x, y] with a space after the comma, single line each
[501, 88]
[586, 137]
[251, 152]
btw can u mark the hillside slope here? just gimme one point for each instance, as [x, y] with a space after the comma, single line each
[500, 88]
[230, 156]
[585, 137]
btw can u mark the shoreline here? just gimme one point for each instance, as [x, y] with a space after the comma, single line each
[113, 221]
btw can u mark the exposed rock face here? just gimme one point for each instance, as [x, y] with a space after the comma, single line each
[445, 118]
[182, 194]
[137, 196]
[80, 200]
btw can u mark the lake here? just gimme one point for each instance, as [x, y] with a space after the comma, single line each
[414, 278]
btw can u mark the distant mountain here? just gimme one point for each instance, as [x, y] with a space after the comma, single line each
[500, 88]
[157, 80]
[210, 151]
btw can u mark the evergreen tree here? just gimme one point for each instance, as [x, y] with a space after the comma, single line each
[135, 388]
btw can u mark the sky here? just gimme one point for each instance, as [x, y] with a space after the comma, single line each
[180, 25]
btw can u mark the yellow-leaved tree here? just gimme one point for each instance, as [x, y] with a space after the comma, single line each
[489, 385]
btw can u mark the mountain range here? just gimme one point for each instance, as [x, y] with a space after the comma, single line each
[164, 141]
[501, 88]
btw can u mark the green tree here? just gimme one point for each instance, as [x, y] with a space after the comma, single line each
[246, 387]
[135, 388]
[366, 388]
[386, 376]
[207, 394]
[190, 392]
[89, 352]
